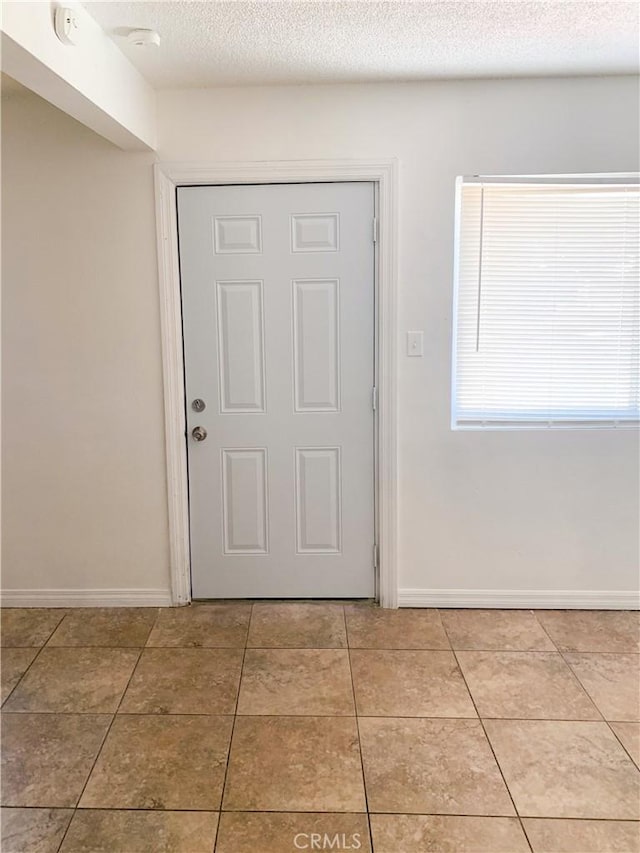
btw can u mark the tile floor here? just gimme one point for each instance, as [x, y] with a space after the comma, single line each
[274, 728]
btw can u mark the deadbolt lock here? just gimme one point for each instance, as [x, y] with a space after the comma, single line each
[198, 405]
[199, 433]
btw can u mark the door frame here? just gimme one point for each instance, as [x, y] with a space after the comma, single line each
[383, 173]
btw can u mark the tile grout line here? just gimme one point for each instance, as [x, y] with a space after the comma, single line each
[629, 820]
[357, 721]
[554, 651]
[106, 735]
[233, 728]
[122, 714]
[19, 681]
[495, 757]
[632, 821]
[545, 632]
[329, 648]
[35, 658]
[616, 736]
[582, 687]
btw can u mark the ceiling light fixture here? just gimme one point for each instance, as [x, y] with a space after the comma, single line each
[144, 38]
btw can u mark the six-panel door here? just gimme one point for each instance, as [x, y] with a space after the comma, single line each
[278, 317]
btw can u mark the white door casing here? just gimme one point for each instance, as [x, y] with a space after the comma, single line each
[278, 319]
[384, 175]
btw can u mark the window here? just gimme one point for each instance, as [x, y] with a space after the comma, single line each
[546, 309]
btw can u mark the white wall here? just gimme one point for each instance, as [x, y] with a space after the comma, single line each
[84, 496]
[494, 510]
[84, 500]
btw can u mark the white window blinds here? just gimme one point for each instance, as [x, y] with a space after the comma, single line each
[546, 314]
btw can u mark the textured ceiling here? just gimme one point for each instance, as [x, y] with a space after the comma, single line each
[234, 43]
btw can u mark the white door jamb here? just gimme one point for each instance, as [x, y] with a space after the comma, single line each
[383, 173]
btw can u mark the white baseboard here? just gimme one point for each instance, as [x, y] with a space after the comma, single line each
[85, 598]
[544, 599]
[547, 599]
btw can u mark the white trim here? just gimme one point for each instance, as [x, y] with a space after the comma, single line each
[173, 385]
[86, 598]
[384, 173]
[609, 178]
[548, 599]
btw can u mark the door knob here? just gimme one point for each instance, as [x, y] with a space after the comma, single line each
[199, 433]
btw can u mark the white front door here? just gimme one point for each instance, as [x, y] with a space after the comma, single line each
[278, 319]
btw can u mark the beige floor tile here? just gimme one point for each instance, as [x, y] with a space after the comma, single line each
[525, 685]
[592, 630]
[306, 682]
[262, 832]
[202, 625]
[28, 626]
[629, 736]
[582, 836]
[431, 767]
[159, 762]
[46, 758]
[297, 626]
[104, 831]
[495, 630]
[566, 769]
[184, 681]
[612, 681]
[377, 628]
[33, 830]
[414, 683]
[294, 764]
[65, 680]
[105, 626]
[13, 665]
[447, 834]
